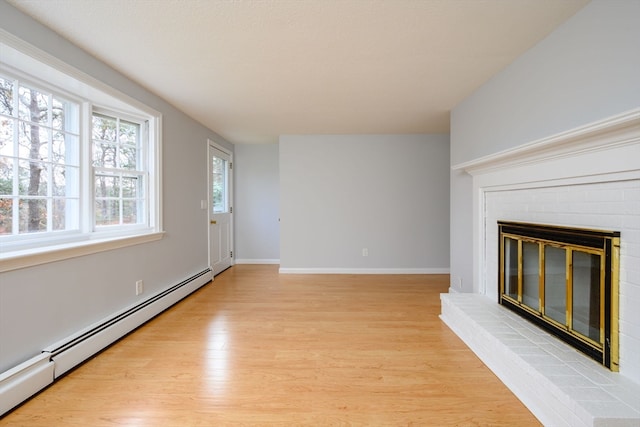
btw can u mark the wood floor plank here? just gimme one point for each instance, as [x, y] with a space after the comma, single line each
[258, 348]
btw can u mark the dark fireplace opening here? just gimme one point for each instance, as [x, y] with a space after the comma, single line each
[564, 280]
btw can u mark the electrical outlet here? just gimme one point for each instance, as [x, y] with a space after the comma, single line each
[139, 287]
[365, 251]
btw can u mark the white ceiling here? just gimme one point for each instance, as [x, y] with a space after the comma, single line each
[253, 70]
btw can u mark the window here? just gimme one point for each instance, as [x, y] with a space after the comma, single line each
[39, 160]
[79, 162]
[118, 171]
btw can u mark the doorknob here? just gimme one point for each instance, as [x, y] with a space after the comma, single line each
[213, 222]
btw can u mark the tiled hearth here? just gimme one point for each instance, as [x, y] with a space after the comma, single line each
[558, 384]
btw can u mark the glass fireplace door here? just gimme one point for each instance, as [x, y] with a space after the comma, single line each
[567, 286]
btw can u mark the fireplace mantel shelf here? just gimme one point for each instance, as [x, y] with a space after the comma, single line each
[559, 385]
[619, 130]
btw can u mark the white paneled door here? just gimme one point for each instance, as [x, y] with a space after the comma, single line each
[220, 209]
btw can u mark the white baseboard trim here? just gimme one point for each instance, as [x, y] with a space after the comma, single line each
[256, 261]
[364, 270]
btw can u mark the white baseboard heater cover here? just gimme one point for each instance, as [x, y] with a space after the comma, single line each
[23, 381]
[26, 379]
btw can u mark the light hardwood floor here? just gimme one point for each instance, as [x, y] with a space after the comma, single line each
[258, 348]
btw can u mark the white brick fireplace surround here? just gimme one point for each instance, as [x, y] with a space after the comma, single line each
[587, 177]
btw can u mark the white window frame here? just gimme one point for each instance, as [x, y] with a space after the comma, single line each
[22, 59]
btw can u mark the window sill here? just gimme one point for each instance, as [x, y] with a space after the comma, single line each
[29, 258]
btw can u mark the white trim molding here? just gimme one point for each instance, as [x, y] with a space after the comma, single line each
[364, 270]
[32, 257]
[602, 135]
[256, 261]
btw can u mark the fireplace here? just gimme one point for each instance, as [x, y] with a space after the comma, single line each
[587, 177]
[565, 280]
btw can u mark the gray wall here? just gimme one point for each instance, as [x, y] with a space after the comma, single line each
[342, 193]
[257, 203]
[42, 304]
[586, 70]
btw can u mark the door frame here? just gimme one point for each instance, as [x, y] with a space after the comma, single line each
[213, 144]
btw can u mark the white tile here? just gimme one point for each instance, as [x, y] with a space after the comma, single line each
[591, 394]
[567, 387]
[568, 383]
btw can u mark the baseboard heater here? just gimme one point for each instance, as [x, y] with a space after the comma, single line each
[26, 379]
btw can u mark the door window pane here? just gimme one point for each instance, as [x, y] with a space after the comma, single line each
[219, 179]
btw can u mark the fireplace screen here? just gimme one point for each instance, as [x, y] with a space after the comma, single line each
[566, 281]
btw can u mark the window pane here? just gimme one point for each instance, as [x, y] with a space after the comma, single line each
[130, 212]
[555, 289]
[33, 215]
[33, 105]
[6, 96]
[33, 178]
[104, 128]
[104, 155]
[530, 282]
[107, 212]
[6, 216]
[128, 158]
[6, 176]
[72, 180]
[33, 141]
[107, 186]
[60, 176]
[59, 214]
[57, 148]
[64, 115]
[130, 186]
[511, 267]
[586, 294]
[6, 136]
[128, 133]
[64, 148]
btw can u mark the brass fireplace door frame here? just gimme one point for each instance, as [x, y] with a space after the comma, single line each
[605, 244]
